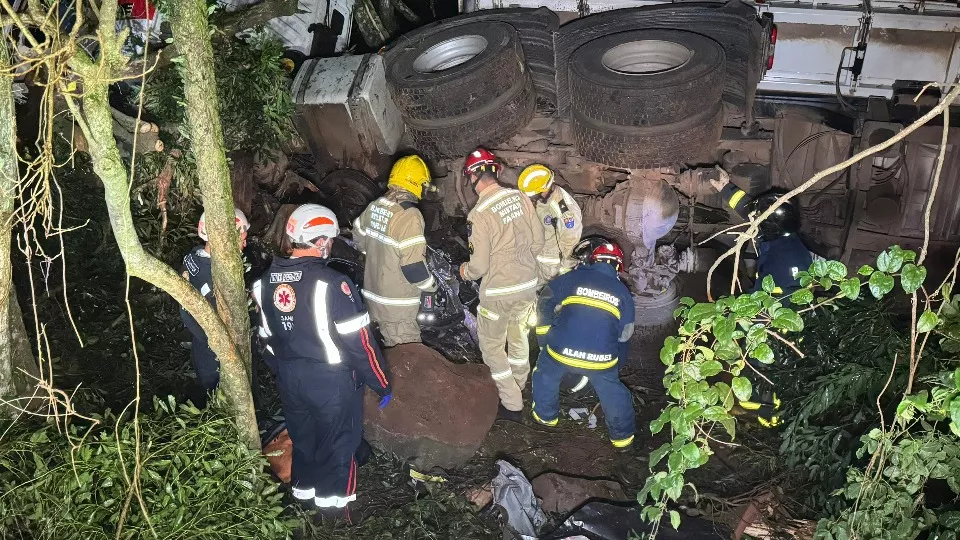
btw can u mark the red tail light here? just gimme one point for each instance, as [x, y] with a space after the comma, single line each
[773, 46]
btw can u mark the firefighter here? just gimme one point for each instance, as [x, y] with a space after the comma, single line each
[781, 254]
[319, 341]
[390, 233]
[196, 270]
[584, 319]
[504, 240]
[560, 217]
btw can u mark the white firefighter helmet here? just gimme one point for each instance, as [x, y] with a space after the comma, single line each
[311, 221]
[239, 218]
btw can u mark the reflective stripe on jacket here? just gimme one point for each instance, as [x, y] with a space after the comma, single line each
[583, 314]
[390, 232]
[562, 223]
[310, 311]
[505, 238]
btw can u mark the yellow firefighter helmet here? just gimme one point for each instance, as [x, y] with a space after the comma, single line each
[535, 179]
[410, 173]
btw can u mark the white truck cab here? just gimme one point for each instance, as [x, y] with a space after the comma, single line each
[859, 48]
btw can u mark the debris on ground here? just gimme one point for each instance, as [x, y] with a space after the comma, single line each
[606, 521]
[279, 452]
[441, 411]
[480, 496]
[764, 518]
[561, 493]
[513, 493]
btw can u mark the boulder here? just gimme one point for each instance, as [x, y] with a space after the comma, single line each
[440, 412]
[561, 494]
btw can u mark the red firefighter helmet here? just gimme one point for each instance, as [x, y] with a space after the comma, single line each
[479, 161]
[609, 253]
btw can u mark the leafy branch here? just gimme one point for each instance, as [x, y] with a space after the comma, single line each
[721, 347]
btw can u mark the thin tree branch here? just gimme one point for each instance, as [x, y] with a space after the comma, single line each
[752, 230]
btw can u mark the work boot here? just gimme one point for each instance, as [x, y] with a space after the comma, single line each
[504, 413]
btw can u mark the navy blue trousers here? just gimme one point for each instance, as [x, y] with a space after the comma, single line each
[205, 364]
[615, 398]
[323, 408]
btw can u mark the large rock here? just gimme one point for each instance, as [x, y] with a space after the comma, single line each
[440, 411]
[562, 494]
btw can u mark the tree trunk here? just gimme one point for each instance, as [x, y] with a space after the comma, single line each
[241, 177]
[191, 33]
[17, 364]
[97, 124]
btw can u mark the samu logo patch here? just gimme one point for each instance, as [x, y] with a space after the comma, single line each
[284, 298]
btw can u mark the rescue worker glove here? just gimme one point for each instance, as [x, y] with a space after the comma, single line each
[384, 401]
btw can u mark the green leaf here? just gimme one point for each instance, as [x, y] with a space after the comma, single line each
[836, 270]
[710, 368]
[742, 388]
[725, 394]
[956, 378]
[819, 268]
[890, 260]
[850, 288]
[727, 350]
[707, 353]
[723, 328]
[787, 319]
[715, 413]
[671, 346]
[746, 307]
[763, 353]
[802, 297]
[865, 270]
[690, 452]
[675, 462]
[687, 301]
[927, 321]
[656, 426]
[701, 311]
[768, 284]
[880, 284]
[675, 520]
[730, 426]
[912, 276]
[658, 454]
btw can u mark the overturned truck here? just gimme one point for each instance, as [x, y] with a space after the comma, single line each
[630, 102]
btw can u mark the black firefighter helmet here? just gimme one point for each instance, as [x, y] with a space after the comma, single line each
[784, 221]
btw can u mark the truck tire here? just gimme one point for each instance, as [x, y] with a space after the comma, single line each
[647, 77]
[732, 24]
[453, 71]
[649, 147]
[535, 28]
[490, 126]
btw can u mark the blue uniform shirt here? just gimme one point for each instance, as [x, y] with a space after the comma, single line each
[196, 269]
[310, 311]
[582, 315]
[782, 258]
